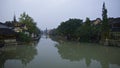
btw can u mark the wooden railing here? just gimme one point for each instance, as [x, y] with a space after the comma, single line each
[114, 38]
[7, 36]
[115, 35]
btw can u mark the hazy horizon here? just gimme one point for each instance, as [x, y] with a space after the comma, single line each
[50, 13]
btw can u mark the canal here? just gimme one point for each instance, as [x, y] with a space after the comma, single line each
[48, 53]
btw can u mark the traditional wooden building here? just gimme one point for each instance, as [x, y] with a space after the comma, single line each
[6, 32]
[114, 31]
[114, 24]
[16, 26]
[96, 22]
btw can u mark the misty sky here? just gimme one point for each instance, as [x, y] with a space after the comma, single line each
[50, 13]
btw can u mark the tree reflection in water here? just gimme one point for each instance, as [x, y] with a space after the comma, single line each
[74, 51]
[24, 53]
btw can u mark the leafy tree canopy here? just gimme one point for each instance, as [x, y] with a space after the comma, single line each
[68, 28]
[29, 22]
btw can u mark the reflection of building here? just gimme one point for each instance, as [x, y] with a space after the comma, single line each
[23, 53]
[77, 51]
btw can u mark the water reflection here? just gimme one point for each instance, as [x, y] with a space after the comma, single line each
[102, 55]
[23, 53]
[61, 54]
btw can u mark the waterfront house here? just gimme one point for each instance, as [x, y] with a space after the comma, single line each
[96, 22]
[6, 32]
[114, 24]
[17, 26]
[114, 31]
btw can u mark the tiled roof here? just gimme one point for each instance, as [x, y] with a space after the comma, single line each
[114, 20]
[3, 26]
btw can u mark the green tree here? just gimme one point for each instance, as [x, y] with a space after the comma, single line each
[105, 24]
[75, 29]
[23, 37]
[84, 32]
[88, 32]
[29, 22]
[68, 28]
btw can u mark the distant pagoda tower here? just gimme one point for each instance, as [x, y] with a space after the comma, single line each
[46, 31]
[14, 19]
[15, 22]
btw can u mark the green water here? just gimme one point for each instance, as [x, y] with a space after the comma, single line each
[52, 54]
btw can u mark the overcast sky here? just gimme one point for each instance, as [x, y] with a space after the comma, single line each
[50, 13]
